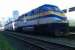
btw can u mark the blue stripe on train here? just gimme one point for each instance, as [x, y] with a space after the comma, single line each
[51, 15]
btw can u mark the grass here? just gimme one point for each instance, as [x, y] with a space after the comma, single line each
[4, 43]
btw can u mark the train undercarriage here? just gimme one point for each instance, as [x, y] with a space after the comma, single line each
[56, 29]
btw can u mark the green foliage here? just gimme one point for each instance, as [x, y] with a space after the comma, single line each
[4, 43]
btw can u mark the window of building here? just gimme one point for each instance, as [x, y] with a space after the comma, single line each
[72, 9]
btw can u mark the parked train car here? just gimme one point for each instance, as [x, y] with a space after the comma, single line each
[10, 26]
[46, 19]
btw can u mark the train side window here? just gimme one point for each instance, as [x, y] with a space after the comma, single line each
[32, 14]
[38, 12]
[24, 19]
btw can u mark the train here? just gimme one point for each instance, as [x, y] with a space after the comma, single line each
[45, 19]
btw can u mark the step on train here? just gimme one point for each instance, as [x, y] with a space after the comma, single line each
[46, 19]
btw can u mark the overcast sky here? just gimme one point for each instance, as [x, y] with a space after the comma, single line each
[23, 6]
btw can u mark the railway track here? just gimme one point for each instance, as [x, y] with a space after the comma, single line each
[22, 45]
[38, 42]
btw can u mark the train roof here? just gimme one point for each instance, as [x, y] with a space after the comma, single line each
[47, 5]
[42, 8]
[39, 9]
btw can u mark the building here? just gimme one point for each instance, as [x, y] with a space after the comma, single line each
[70, 13]
[15, 14]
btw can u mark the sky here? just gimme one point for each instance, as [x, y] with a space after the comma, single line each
[23, 6]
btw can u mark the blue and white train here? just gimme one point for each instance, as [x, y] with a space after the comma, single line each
[46, 19]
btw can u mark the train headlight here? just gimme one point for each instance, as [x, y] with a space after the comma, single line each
[60, 14]
[56, 13]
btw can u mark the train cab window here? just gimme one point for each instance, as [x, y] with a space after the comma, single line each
[65, 10]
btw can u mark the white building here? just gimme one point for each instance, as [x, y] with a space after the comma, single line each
[15, 14]
[70, 13]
